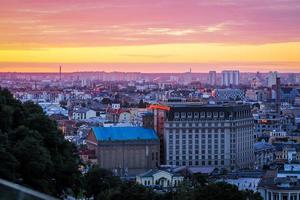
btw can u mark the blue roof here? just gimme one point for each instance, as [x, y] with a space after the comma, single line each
[124, 133]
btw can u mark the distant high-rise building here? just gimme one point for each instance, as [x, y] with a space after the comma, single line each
[212, 78]
[187, 77]
[272, 77]
[230, 78]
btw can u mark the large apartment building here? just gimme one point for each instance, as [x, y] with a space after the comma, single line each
[218, 135]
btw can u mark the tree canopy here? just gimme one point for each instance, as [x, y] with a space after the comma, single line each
[33, 151]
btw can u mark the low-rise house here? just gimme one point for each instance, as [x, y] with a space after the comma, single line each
[159, 179]
[83, 114]
[244, 183]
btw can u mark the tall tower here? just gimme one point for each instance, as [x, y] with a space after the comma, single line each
[60, 73]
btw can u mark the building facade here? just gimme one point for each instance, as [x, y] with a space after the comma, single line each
[230, 78]
[160, 178]
[212, 78]
[264, 154]
[209, 135]
[228, 94]
[284, 185]
[125, 149]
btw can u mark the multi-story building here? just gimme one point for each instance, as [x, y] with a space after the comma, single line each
[272, 77]
[212, 78]
[264, 154]
[228, 94]
[267, 123]
[219, 135]
[230, 78]
[281, 185]
[125, 150]
[287, 151]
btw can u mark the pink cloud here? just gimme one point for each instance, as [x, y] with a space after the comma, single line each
[47, 23]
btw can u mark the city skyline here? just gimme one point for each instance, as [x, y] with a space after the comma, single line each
[157, 36]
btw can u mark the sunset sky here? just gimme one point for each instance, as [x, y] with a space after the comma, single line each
[149, 35]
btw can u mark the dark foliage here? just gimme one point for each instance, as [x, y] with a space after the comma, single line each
[33, 151]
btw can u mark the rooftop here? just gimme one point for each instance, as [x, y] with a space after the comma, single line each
[124, 133]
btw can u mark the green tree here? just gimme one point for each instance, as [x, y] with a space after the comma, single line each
[200, 180]
[99, 180]
[219, 191]
[32, 149]
[129, 191]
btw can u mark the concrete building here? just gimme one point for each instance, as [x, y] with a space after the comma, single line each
[230, 78]
[212, 78]
[83, 114]
[264, 154]
[267, 123]
[219, 135]
[272, 77]
[228, 94]
[287, 151]
[283, 185]
[125, 150]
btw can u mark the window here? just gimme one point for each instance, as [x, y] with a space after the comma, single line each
[183, 115]
[196, 115]
[202, 114]
[176, 115]
[190, 115]
[209, 115]
[215, 114]
[222, 114]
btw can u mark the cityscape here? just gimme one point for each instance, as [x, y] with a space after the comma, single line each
[165, 100]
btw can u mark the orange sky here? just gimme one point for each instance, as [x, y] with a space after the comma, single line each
[156, 36]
